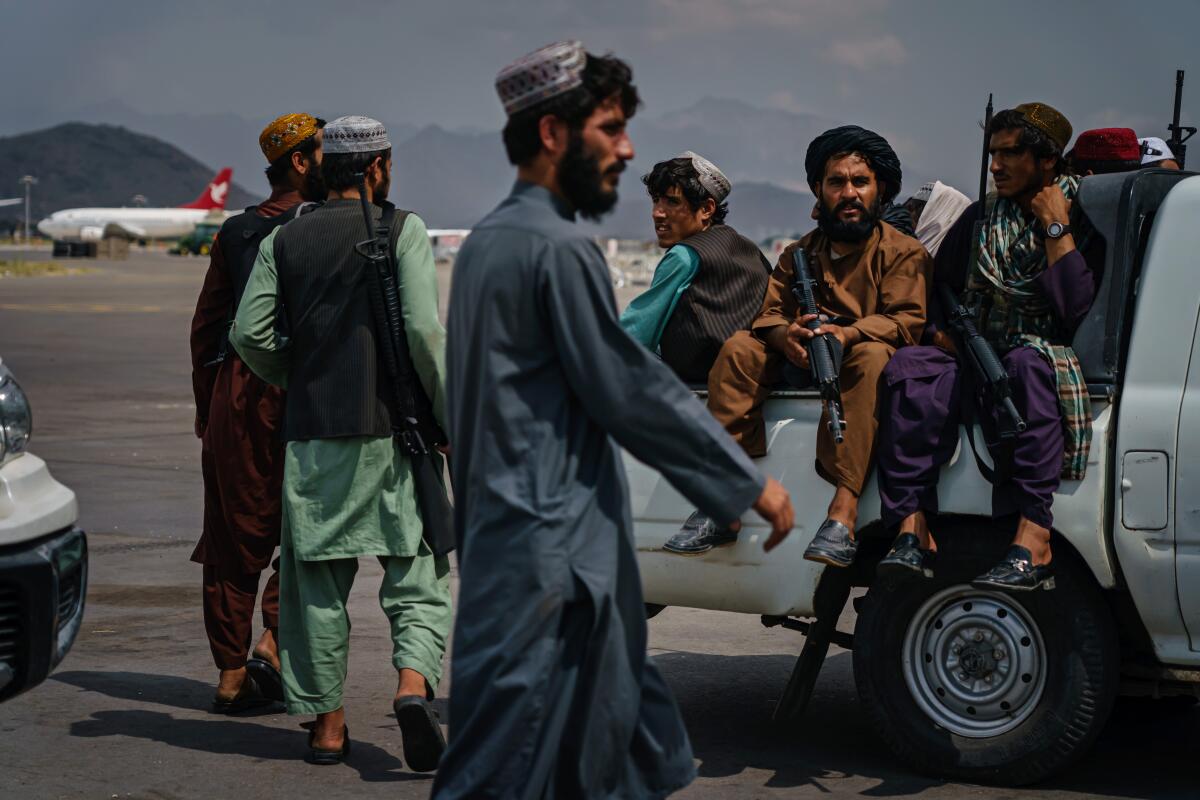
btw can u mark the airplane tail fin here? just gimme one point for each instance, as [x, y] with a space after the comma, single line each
[213, 196]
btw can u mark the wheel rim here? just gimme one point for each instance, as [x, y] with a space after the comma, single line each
[974, 662]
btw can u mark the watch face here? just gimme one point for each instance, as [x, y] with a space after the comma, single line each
[1054, 230]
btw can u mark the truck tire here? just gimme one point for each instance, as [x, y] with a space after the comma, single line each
[983, 686]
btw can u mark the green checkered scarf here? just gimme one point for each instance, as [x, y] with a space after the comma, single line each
[1015, 314]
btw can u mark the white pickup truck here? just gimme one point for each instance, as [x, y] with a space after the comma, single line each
[992, 687]
[43, 555]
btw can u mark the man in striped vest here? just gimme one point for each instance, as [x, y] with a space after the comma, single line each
[712, 279]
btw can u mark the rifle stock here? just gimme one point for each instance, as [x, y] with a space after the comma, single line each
[820, 348]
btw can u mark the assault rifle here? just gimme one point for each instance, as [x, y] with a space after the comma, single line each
[982, 357]
[821, 348]
[976, 350]
[1176, 142]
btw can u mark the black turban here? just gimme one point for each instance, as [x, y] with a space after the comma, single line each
[853, 139]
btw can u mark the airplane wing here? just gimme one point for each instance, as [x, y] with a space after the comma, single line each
[12, 201]
[124, 229]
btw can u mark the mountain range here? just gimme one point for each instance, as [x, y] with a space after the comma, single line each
[451, 177]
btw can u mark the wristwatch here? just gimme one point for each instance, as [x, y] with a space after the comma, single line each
[1056, 230]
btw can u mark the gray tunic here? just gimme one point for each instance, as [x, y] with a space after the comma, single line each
[553, 694]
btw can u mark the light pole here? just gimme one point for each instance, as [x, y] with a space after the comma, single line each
[29, 181]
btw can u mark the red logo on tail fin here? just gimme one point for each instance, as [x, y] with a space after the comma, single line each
[213, 196]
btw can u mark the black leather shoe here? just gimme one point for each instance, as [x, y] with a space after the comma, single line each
[1016, 573]
[832, 545]
[905, 559]
[699, 535]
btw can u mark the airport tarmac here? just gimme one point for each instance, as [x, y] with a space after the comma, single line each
[103, 357]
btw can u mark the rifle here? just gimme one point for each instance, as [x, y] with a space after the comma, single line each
[821, 349]
[982, 357]
[417, 431]
[976, 349]
[1176, 142]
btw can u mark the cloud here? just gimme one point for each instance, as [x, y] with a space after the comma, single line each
[865, 55]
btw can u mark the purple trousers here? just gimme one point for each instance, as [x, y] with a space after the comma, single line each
[922, 407]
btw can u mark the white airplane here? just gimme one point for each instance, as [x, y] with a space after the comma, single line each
[94, 224]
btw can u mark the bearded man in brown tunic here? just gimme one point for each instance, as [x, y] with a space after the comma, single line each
[238, 419]
[871, 291]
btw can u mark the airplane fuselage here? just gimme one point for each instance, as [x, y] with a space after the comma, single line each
[93, 224]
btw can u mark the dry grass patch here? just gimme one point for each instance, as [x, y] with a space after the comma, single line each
[36, 269]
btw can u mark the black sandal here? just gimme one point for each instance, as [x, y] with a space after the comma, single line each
[421, 731]
[269, 681]
[250, 697]
[325, 758]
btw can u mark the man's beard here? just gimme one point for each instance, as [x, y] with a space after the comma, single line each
[314, 183]
[379, 194]
[580, 180]
[850, 232]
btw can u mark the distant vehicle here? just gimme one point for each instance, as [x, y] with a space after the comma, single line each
[199, 241]
[446, 241]
[74, 226]
[43, 555]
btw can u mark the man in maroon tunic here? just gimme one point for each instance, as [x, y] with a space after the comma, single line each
[238, 420]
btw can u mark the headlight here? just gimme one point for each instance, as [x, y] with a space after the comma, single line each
[16, 418]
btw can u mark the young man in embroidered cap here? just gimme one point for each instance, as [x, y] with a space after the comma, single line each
[1156, 154]
[1105, 150]
[712, 279]
[237, 420]
[347, 485]
[553, 693]
[1026, 267]
[870, 281]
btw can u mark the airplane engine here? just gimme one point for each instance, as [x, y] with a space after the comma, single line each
[91, 233]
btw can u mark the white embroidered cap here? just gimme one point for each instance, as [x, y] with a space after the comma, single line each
[711, 178]
[541, 75]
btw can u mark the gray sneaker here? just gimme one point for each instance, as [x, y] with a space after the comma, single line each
[832, 545]
[699, 535]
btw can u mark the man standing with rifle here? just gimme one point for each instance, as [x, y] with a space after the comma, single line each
[869, 289]
[349, 486]
[1027, 287]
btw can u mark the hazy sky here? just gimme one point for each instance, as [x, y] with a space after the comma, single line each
[917, 71]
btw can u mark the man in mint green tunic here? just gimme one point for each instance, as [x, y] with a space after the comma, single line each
[347, 487]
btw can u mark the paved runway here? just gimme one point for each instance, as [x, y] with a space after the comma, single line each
[103, 357]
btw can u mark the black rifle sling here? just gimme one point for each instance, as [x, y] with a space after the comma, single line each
[436, 514]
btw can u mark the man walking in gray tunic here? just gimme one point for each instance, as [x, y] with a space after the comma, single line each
[552, 693]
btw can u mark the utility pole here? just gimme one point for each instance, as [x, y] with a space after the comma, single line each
[29, 181]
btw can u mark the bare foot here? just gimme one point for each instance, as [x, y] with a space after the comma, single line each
[327, 731]
[411, 683]
[844, 508]
[918, 526]
[266, 649]
[1035, 539]
[230, 684]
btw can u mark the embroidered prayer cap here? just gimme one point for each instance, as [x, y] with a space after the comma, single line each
[1154, 150]
[1107, 144]
[923, 194]
[711, 178]
[1048, 120]
[285, 133]
[541, 75]
[355, 134]
[853, 139]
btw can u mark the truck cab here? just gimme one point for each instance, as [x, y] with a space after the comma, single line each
[986, 686]
[43, 554]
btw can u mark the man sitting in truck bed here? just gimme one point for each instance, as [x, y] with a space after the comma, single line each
[712, 279]
[1029, 287]
[870, 282]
